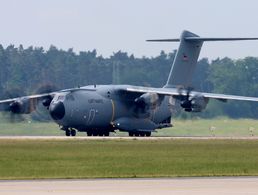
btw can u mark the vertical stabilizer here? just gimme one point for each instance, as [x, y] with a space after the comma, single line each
[185, 61]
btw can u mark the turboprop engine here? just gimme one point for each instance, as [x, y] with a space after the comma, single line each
[148, 100]
[145, 103]
[196, 103]
[21, 106]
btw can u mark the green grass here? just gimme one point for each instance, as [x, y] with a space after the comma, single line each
[212, 127]
[197, 127]
[29, 128]
[108, 159]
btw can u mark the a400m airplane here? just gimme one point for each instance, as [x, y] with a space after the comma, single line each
[101, 109]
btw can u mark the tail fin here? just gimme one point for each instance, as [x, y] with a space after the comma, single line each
[185, 61]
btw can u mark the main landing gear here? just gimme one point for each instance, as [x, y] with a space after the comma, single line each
[98, 133]
[70, 132]
[139, 133]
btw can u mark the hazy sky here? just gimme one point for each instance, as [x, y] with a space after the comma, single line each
[112, 25]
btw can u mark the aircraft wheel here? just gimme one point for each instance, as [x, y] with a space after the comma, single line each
[73, 132]
[142, 134]
[136, 134]
[101, 133]
[89, 133]
[131, 134]
[95, 133]
[67, 132]
[148, 134]
[106, 133]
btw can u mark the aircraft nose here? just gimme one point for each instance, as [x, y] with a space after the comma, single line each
[57, 110]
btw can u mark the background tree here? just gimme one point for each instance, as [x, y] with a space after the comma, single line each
[29, 69]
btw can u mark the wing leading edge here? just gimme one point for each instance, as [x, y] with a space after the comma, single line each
[38, 96]
[44, 95]
[175, 92]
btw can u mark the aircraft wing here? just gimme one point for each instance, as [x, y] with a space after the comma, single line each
[30, 101]
[38, 96]
[33, 99]
[177, 93]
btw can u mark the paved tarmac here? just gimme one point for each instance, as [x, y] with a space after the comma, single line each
[120, 138]
[181, 186]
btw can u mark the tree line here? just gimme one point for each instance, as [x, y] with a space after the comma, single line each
[24, 71]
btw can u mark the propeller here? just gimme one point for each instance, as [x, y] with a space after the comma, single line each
[140, 105]
[192, 102]
[147, 102]
[41, 113]
[46, 88]
[13, 110]
[185, 98]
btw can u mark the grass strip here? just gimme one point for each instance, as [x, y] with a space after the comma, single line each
[35, 159]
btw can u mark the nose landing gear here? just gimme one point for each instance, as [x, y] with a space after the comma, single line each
[73, 132]
[70, 132]
[67, 132]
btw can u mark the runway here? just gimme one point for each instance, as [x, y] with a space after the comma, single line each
[123, 138]
[181, 186]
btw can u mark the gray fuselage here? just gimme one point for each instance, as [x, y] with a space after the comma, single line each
[97, 107]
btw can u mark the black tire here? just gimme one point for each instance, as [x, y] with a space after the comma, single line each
[95, 133]
[106, 133]
[89, 133]
[148, 134]
[67, 132]
[131, 134]
[137, 134]
[73, 132]
[142, 134]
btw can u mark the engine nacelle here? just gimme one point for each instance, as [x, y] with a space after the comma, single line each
[199, 103]
[22, 106]
[47, 101]
[145, 103]
[148, 100]
[196, 104]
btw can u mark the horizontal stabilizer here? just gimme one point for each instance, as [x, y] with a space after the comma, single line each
[218, 39]
[163, 40]
[190, 39]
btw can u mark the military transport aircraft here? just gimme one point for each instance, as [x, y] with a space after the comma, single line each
[101, 109]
